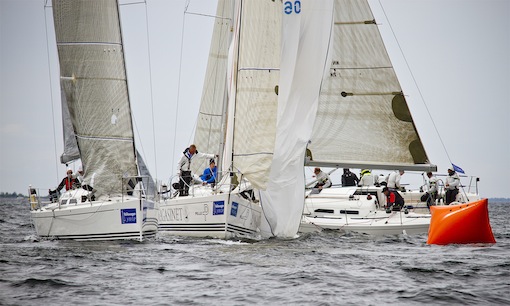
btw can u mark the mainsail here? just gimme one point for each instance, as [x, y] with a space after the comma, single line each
[363, 119]
[93, 79]
[305, 44]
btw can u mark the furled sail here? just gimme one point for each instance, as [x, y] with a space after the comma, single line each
[93, 76]
[305, 38]
[210, 130]
[71, 151]
[363, 119]
[256, 77]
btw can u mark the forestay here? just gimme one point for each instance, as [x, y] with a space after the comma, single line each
[93, 78]
[304, 60]
[363, 119]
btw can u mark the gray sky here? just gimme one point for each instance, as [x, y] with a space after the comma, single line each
[458, 53]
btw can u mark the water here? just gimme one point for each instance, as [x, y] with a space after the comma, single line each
[317, 269]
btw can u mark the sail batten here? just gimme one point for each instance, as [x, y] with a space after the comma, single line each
[89, 43]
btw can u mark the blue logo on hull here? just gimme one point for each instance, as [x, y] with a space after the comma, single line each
[233, 210]
[128, 215]
[218, 207]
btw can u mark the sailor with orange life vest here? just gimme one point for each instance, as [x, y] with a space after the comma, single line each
[69, 182]
[393, 199]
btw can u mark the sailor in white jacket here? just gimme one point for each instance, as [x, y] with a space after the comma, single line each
[323, 179]
[452, 184]
[394, 180]
[366, 178]
[188, 156]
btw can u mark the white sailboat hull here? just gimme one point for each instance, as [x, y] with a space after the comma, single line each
[394, 224]
[111, 219]
[349, 209]
[222, 215]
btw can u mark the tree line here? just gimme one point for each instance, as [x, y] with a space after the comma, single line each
[10, 195]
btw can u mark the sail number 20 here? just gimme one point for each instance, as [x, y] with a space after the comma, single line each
[290, 7]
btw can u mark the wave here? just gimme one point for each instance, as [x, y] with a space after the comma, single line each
[36, 282]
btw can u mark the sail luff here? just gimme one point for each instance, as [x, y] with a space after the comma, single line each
[71, 151]
[233, 55]
[256, 100]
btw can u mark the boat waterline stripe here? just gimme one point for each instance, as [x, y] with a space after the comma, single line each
[205, 228]
[232, 227]
[111, 236]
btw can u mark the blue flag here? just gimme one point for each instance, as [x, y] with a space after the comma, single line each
[457, 168]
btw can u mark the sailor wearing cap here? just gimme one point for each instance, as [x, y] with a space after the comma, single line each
[366, 178]
[210, 174]
[452, 184]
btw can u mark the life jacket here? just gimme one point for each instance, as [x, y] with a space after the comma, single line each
[189, 156]
[398, 199]
[70, 183]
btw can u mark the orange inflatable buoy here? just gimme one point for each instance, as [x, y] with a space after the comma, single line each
[460, 224]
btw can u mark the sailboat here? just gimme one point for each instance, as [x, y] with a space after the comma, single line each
[242, 72]
[116, 200]
[363, 122]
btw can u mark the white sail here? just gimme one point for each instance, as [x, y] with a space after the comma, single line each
[256, 78]
[363, 120]
[93, 75]
[305, 43]
[210, 130]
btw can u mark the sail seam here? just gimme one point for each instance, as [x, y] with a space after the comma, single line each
[65, 43]
[355, 22]
[258, 68]
[210, 114]
[251, 154]
[105, 138]
[361, 68]
[74, 78]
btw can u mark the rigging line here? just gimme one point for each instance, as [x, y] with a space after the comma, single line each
[416, 84]
[133, 3]
[151, 92]
[179, 82]
[207, 15]
[51, 92]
